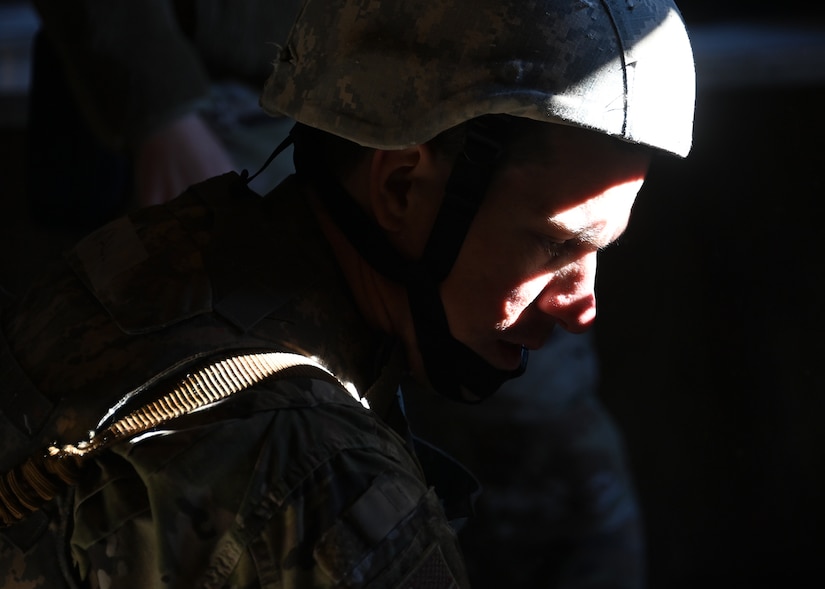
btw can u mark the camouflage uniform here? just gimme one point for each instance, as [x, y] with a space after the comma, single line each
[292, 483]
[108, 73]
[620, 67]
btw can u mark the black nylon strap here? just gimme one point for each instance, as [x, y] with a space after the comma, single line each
[452, 367]
[275, 153]
[361, 231]
[454, 370]
[464, 193]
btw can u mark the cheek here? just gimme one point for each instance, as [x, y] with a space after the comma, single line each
[521, 297]
[486, 288]
[475, 295]
[492, 297]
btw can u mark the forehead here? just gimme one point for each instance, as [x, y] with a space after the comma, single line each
[544, 142]
[563, 166]
[572, 184]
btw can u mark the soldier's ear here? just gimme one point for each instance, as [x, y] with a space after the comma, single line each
[406, 190]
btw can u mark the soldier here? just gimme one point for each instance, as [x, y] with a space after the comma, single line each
[158, 95]
[437, 227]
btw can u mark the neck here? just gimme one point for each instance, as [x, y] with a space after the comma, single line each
[382, 302]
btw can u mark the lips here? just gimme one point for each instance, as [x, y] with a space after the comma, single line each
[507, 351]
[510, 355]
[531, 343]
[532, 339]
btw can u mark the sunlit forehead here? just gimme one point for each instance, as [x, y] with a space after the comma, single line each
[598, 221]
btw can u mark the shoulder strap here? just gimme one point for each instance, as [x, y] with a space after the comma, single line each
[25, 489]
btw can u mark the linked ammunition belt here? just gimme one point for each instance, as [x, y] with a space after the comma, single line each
[27, 487]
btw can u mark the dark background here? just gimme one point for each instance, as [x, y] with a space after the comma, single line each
[711, 319]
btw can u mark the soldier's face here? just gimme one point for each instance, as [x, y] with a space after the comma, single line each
[529, 260]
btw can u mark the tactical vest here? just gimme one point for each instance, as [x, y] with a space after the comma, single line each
[210, 289]
[202, 268]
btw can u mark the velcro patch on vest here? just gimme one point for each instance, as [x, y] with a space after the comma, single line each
[432, 572]
[148, 274]
[110, 251]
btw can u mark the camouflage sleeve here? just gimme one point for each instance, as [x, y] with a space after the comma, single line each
[129, 65]
[302, 488]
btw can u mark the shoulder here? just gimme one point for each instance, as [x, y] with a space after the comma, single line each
[283, 438]
[146, 295]
[299, 480]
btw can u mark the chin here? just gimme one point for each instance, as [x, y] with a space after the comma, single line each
[507, 356]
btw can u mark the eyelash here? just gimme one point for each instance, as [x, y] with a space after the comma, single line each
[555, 249]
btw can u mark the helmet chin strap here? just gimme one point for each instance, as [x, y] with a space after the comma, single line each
[453, 369]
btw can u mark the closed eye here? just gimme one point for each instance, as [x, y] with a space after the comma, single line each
[556, 249]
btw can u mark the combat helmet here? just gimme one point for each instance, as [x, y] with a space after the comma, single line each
[389, 74]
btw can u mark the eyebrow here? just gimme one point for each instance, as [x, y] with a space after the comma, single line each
[588, 236]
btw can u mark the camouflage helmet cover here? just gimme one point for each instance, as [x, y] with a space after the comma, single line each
[393, 73]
